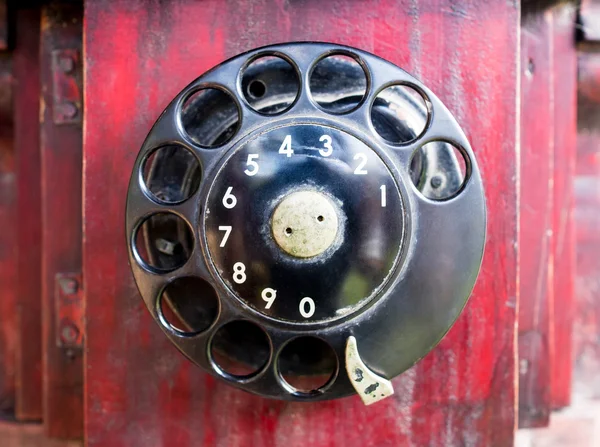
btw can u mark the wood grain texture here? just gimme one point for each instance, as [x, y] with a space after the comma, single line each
[27, 142]
[61, 149]
[29, 435]
[536, 219]
[139, 54]
[8, 246]
[586, 327]
[563, 240]
[589, 17]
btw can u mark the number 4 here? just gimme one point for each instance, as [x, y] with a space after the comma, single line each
[286, 146]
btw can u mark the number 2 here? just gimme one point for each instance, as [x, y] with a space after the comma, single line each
[326, 140]
[359, 169]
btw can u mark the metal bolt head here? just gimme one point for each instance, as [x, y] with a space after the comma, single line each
[69, 333]
[66, 64]
[69, 286]
[436, 182]
[68, 110]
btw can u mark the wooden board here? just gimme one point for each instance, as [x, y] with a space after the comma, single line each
[27, 99]
[589, 18]
[536, 219]
[139, 54]
[586, 327]
[61, 149]
[8, 246]
[29, 435]
[563, 239]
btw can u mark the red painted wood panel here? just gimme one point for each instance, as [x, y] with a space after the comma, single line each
[139, 54]
[536, 218]
[589, 17]
[563, 240]
[3, 25]
[8, 247]
[61, 149]
[29, 435]
[586, 327]
[27, 98]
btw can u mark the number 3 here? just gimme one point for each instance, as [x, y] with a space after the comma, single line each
[326, 140]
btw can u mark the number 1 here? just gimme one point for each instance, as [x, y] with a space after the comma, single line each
[383, 196]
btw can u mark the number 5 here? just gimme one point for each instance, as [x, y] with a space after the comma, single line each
[251, 164]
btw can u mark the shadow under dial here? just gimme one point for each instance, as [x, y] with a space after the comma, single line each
[304, 223]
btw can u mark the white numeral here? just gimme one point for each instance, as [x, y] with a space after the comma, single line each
[239, 273]
[251, 164]
[269, 296]
[359, 169]
[311, 307]
[286, 146]
[229, 200]
[383, 196]
[227, 230]
[326, 140]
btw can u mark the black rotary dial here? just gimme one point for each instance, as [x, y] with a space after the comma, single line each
[327, 253]
[306, 221]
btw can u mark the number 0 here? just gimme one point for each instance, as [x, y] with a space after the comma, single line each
[307, 302]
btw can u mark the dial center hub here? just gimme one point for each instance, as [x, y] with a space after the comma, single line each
[305, 224]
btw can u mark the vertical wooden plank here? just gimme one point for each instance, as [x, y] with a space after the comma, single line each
[27, 98]
[565, 136]
[3, 25]
[461, 394]
[586, 327]
[8, 247]
[536, 213]
[588, 15]
[61, 149]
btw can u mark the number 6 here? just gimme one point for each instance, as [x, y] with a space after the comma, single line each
[229, 200]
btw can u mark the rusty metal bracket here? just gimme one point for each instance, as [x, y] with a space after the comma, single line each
[66, 87]
[68, 293]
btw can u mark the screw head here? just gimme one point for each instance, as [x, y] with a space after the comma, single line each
[68, 110]
[69, 333]
[66, 64]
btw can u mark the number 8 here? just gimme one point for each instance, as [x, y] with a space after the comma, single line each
[239, 273]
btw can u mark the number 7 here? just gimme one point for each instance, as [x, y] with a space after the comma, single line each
[227, 230]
